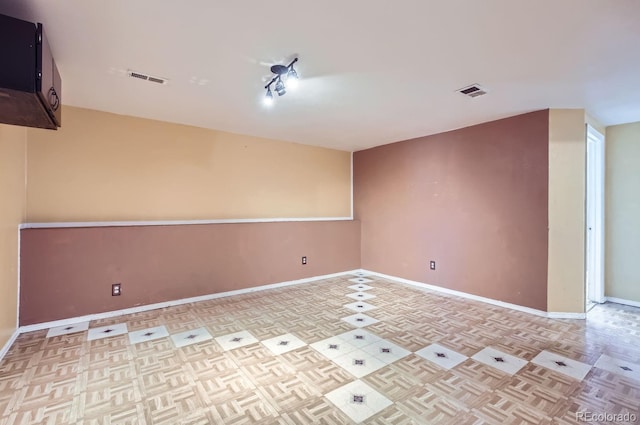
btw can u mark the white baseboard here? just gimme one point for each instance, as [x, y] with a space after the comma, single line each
[5, 349]
[560, 315]
[424, 286]
[551, 315]
[115, 313]
[622, 301]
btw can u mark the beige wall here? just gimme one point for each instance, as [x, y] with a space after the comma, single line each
[567, 151]
[107, 167]
[622, 215]
[12, 213]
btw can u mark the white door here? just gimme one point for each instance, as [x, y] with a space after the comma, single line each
[594, 275]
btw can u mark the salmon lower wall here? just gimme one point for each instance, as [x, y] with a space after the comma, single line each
[68, 272]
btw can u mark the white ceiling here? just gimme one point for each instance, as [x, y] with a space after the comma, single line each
[373, 71]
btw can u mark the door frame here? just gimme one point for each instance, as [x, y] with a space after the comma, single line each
[594, 216]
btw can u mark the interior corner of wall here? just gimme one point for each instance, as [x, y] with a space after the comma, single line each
[589, 119]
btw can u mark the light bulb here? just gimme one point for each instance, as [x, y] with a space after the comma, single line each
[292, 83]
[268, 98]
[292, 79]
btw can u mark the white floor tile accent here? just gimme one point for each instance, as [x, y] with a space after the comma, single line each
[359, 363]
[361, 296]
[148, 334]
[561, 364]
[499, 360]
[193, 336]
[358, 400]
[359, 274]
[283, 344]
[385, 351]
[236, 340]
[360, 280]
[360, 307]
[68, 329]
[360, 287]
[441, 356]
[359, 338]
[333, 347]
[107, 331]
[360, 320]
[608, 363]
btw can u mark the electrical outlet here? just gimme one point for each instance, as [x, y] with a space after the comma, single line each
[432, 265]
[304, 260]
[116, 289]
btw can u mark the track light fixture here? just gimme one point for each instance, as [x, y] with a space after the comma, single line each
[282, 74]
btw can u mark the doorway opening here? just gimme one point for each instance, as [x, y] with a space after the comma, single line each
[594, 232]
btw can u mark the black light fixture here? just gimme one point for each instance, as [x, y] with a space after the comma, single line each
[282, 73]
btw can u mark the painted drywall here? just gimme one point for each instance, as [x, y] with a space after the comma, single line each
[474, 200]
[567, 162]
[13, 142]
[68, 272]
[622, 212]
[106, 167]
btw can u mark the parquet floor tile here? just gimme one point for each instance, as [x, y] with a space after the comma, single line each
[430, 407]
[66, 379]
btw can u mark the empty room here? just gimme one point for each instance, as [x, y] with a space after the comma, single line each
[248, 212]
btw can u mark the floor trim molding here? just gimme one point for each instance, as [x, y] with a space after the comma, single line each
[623, 301]
[115, 313]
[561, 315]
[5, 349]
[421, 285]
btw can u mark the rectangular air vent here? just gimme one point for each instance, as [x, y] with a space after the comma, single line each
[141, 76]
[138, 75]
[473, 90]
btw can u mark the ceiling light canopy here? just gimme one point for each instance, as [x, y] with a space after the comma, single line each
[285, 77]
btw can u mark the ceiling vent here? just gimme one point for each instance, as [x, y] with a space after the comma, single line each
[473, 90]
[146, 77]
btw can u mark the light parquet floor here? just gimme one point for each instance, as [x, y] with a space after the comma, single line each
[68, 379]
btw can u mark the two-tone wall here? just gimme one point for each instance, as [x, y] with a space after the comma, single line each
[474, 200]
[101, 167]
[13, 141]
[499, 207]
[622, 214]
